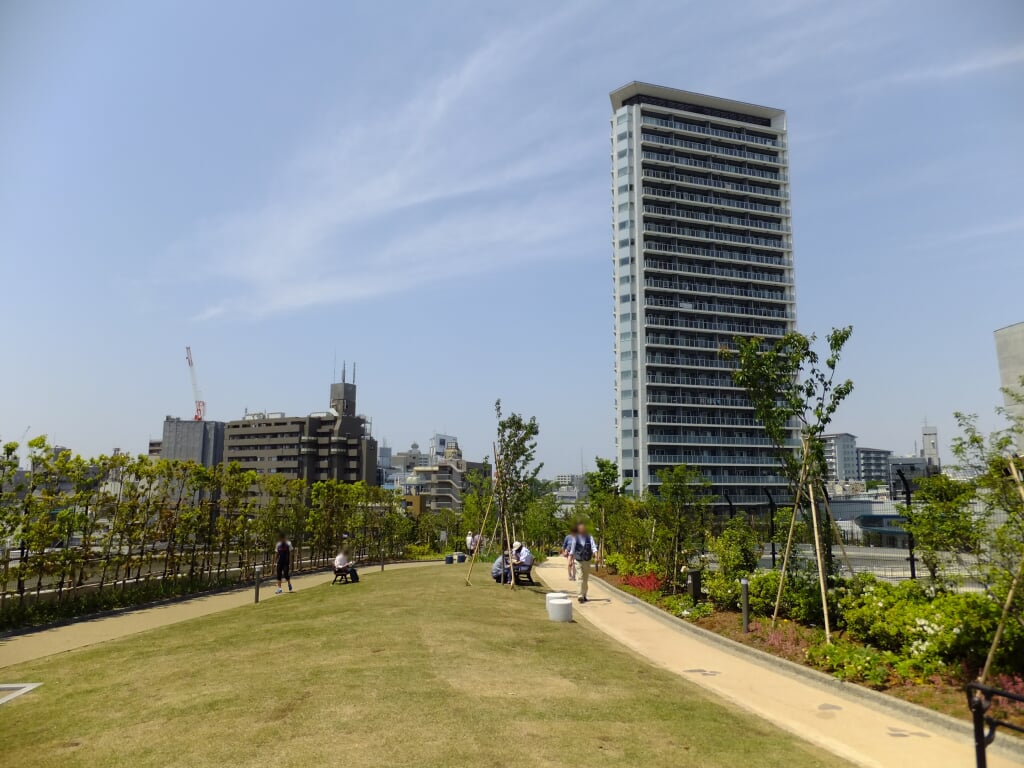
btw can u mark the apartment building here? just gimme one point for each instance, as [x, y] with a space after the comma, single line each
[702, 253]
[840, 456]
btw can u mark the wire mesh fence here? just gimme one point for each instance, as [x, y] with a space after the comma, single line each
[867, 537]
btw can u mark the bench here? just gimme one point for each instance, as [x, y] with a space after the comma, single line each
[524, 578]
[344, 576]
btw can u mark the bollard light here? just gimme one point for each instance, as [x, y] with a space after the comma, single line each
[259, 571]
[745, 604]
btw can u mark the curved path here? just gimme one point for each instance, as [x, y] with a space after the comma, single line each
[47, 642]
[854, 723]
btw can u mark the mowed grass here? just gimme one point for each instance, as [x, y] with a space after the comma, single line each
[407, 668]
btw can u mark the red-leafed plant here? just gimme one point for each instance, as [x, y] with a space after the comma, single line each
[649, 582]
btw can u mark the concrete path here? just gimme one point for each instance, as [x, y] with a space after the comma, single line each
[47, 642]
[846, 724]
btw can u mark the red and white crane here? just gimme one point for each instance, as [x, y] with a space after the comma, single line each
[196, 394]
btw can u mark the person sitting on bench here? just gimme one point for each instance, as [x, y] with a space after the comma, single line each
[344, 569]
[522, 558]
[500, 571]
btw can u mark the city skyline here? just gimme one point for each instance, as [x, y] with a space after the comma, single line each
[319, 190]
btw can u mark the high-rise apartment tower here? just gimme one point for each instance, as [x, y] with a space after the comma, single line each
[702, 254]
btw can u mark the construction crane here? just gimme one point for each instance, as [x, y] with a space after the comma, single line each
[196, 394]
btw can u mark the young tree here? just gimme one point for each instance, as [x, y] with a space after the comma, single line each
[788, 388]
[682, 513]
[942, 521]
[604, 493]
[516, 467]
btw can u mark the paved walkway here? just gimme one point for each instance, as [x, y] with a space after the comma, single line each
[843, 723]
[47, 642]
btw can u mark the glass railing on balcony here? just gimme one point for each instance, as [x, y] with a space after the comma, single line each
[716, 218]
[770, 480]
[712, 382]
[719, 308]
[705, 234]
[700, 269]
[682, 125]
[760, 442]
[777, 210]
[683, 361]
[732, 186]
[723, 254]
[716, 290]
[688, 399]
[702, 420]
[693, 162]
[722, 461]
[699, 324]
[713, 149]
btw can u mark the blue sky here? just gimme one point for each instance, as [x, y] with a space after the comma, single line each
[425, 190]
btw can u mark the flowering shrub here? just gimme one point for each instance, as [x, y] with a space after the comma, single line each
[927, 627]
[625, 566]
[649, 582]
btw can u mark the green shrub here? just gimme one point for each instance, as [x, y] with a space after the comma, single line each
[854, 663]
[677, 604]
[420, 552]
[722, 590]
[737, 549]
[801, 597]
[617, 563]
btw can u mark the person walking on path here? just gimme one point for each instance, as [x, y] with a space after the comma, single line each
[581, 551]
[571, 563]
[284, 562]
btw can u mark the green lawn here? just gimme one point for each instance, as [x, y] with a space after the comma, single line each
[406, 668]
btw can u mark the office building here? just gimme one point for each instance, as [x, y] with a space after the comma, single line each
[702, 254]
[873, 465]
[1010, 353]
[190, 440]
[840, 456]
[330, 445]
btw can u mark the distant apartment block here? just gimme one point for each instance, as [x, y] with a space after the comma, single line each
[190, 440]
[702, 253]
[435, 480]
[1010, 353]
[329, 445]
[840, 456]
[873, 465]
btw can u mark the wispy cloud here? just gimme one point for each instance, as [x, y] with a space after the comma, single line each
[404, 193]
[973, 64]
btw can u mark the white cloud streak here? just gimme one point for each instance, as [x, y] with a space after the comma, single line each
[976, 63]
[413, 192]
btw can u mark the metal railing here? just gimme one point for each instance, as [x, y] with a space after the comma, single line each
[733, 186]
[734, 274]
[725, 202]
[717, 253]
[682, 125]
[979, 701]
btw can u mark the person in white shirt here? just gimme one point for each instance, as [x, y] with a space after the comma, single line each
[343, 566]
[469, 543]
[522, 558]
[582, 549]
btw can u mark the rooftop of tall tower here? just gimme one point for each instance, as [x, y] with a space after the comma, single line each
[690, 99]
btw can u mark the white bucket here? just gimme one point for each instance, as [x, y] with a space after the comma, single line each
[553, 596]
[560, 609]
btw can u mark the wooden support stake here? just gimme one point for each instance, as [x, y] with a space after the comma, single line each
[821, 565]
[789, 538]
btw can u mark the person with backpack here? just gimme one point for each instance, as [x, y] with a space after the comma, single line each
[284, 561]
[582, 549]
